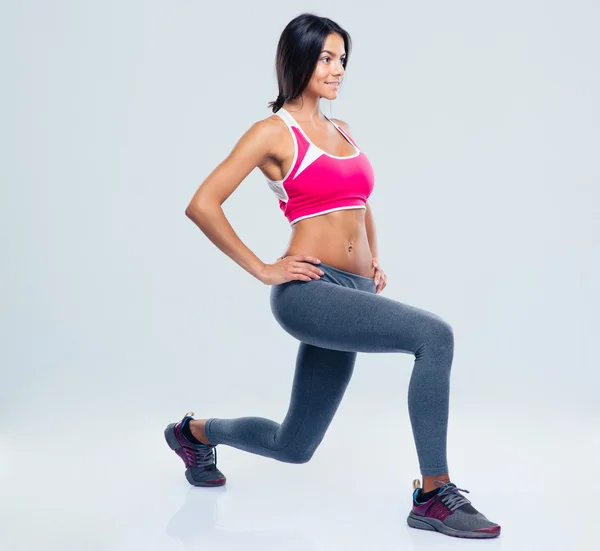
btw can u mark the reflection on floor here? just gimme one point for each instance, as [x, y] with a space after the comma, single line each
[109, 489]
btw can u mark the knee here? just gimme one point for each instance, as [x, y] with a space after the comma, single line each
[439, 336]
[295, 455]
[444, 334]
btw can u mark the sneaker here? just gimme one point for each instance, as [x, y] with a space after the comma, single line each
[450, 513]
[200, 459]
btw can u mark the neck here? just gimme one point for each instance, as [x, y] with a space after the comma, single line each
[306, 108]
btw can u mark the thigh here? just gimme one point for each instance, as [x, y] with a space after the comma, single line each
[332, 316]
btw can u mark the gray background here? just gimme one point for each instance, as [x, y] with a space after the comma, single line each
[481, 121]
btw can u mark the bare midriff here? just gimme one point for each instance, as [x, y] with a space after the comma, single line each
[337, 238]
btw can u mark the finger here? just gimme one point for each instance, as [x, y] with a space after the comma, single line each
[302, 271]
[312, 273]
[309, 258]
[306, 268]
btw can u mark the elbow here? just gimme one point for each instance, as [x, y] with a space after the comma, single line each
[190, 211]
[195, 212]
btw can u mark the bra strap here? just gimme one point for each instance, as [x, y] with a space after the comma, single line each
[289, 120]
[342, 132]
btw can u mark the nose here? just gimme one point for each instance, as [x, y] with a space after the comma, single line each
[337, 68]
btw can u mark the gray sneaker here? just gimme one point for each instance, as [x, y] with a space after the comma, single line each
[200, 459]
[450, 513]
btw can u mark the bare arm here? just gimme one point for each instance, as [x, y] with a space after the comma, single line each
[205, 208]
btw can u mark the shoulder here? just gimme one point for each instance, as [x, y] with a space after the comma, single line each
[343, 125]
[263, 135]
[269, 129]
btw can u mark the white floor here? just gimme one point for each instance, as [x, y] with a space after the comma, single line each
[118, 487]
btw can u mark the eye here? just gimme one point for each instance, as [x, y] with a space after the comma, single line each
[326, 58]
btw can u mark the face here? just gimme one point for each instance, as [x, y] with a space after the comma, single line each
[329, 71]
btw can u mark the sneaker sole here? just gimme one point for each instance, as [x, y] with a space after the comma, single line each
[434, 525]
[175, 446]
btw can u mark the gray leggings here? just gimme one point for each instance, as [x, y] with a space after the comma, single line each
[334, 318]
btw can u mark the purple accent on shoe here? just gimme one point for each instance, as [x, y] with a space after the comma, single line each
[215, 482]
[431, 508]
[421, 508]
[491, 530]
[186, 452]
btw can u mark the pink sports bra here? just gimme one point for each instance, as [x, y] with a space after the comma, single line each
[317, 182]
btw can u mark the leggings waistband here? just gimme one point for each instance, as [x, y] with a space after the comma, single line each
[326, 267]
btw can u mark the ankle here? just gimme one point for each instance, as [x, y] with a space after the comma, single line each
[197, 430]
[429, 482]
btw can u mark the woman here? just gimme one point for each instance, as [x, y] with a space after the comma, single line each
[325, 287]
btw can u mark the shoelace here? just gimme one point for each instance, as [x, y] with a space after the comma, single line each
[206, 456]
[450, 496]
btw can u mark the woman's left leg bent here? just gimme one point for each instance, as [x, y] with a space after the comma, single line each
[320, 380]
